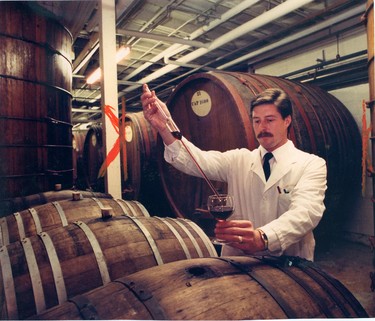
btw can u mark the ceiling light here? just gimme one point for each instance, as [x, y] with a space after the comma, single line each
[121, 53]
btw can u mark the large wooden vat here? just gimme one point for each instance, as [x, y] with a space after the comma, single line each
[45, 217]
[45, 270]
[35, 102]
[212, 110]
[229, 288]
[17, 204]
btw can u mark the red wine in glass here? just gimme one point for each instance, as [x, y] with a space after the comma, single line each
[221, 207]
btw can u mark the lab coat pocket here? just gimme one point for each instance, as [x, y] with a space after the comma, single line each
[285, 195]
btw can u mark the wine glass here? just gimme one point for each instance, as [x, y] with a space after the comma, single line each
[221, 207]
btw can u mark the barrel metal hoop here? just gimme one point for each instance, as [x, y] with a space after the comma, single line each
[100, 204]
[123, 205]
[209, 246]
[21, 229]
[61, 213]
[100, 259]
[4, 232]
[85, 307]
[272, 290]
[191, 237]
[55, 266]
[8, 282]
[149, 301]
[35, 217]
[177, 235]
[318, 300]
[339, 287]
[149, 239]
[34, 272]
[143, 209]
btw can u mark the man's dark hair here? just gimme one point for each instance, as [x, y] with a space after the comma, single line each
[274, 96]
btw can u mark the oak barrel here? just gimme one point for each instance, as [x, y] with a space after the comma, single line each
[141, 177]
[227, 288]
[45, 270]
[35, 102]
[212, 110]
[16, 204]
[45, 217]
[93, 158]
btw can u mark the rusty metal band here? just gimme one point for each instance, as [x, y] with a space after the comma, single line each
[8, 283]
[85, 307]
[205, 239]
[55, 266]
[177, 235]
[34, 214]
[21, 229]
[190, 236]
[149, 239]
[34, 273]
[100, 204]
[102, 265]
[266, 285]
[4, 232]
[146, 298]
[61, 213]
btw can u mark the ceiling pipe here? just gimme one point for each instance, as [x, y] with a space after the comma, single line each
[267, 17]
[356, 11]
[176, 48]
[146, 35]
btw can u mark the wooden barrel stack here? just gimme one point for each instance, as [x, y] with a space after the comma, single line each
[35, 102]
[44, 270]
[228, 288]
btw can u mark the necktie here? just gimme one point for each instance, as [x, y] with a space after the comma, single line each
[266, 165]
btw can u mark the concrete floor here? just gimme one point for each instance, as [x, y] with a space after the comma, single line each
[351, 264]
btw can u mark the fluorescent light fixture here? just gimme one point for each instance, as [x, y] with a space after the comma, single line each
[121, 53]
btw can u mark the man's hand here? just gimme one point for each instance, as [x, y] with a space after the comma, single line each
[240, 234]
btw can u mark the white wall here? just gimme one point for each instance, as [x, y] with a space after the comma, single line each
[360, 224]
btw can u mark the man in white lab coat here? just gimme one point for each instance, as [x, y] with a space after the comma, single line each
[274, 215]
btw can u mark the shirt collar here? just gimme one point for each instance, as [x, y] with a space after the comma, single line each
[278, 152]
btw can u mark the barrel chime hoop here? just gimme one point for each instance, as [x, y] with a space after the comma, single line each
[34, 215]
[100, 259]
[55, 266]
[177, 235]
[36, 280]
[98, 202]
[209, 246]
[284, 305]
[8, 281]
[144, 210]
[85, 307]
[148, 300]
[21, 229]
[123, 205]
[149, 239]
[4, 232]
[128, 210]
[192, 239]
[61, 212]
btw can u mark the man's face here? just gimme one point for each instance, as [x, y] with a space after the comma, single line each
[270, 129]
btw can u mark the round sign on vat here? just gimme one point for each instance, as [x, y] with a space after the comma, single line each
[201, 103]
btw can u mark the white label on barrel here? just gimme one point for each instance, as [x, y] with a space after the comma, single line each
[201, 103]
[128, 134]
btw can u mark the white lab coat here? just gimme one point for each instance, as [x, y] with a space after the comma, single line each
[287, 207]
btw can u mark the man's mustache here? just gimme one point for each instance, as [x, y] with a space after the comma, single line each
[264, 134]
